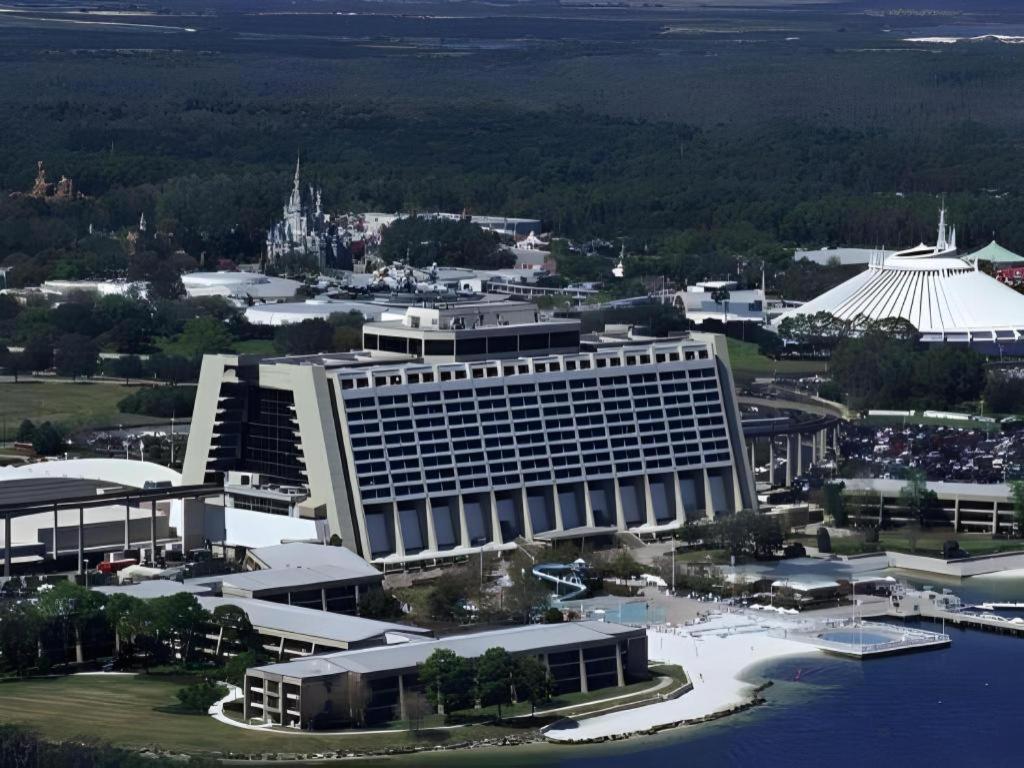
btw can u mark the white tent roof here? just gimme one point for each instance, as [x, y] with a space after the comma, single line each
[941, 295]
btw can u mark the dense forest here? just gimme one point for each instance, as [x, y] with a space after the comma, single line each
[825, 130]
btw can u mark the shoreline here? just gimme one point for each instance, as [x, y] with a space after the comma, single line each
[710, 653]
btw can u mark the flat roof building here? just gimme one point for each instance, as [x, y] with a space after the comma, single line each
[308, 575]
[438, 453]
[371, 686]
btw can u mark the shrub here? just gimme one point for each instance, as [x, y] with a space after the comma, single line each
[201, 696]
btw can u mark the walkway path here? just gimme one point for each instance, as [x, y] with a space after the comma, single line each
[714, 655]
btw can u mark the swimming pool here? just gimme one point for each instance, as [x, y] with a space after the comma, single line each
[856, 637]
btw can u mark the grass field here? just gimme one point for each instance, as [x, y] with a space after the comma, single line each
[141, 711]
[73, 404]
[747, 363]
[922, 542]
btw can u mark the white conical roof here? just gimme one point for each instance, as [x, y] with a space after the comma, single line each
[937, 292]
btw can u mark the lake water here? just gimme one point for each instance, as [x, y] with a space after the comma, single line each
[961, 706]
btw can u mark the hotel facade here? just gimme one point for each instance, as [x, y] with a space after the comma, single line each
[455, 432]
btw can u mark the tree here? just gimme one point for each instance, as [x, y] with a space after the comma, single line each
[525, 596]
[47, 440]
[532, 681]
[201, 696]
[122, 613]
[834, 503]
[553, 615]
[1017, 496]
[447, 600]
[38, 353]
[205, 336]
[448, 680]
[417, 708]
[71, 608]
[495, 670]
[824, 541]
[380, 605]
[180, 618]
[920, 502]
[127, 367]
[76, 355]
[236, 666]
[721, 297]
[305, 338]
[26, 431]
[236, 631]
[20, 627]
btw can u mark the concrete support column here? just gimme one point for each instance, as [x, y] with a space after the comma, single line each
[995, 517]
[431, 529]
[584, 688]
[620, 518]
[588, 505]
[790, 460]
[956, 515]
[557, 502]
[399, 538]
[496, 537]
[463, 525]
[753, 457]
[401, 698]
[527, 521]
[152, 532]
[7, 545]
[799, 454]
[709, 502]
[680, 509]
[127, 524]
[620, 677]
[323, 599]
[649, 501]
[835, 441]
[55, 526]
[771, 461]
[81, 541]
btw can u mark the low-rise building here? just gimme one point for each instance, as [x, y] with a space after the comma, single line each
[308, 575]
[370, 686]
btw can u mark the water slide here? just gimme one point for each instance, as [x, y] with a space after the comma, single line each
[568, 578]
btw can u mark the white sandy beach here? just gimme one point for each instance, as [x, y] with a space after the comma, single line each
[714, 655]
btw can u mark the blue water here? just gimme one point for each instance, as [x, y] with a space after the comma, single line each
[949, 708]
[960, 706]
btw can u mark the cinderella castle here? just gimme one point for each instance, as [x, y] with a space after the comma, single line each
[306, 231]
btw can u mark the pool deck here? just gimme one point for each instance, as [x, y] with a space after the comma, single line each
[899, 639]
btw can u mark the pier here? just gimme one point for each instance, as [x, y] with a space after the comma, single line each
[947, 608]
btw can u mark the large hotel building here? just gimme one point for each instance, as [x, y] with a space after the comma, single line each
[468, 425]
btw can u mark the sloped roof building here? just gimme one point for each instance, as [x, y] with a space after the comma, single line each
[944, 296]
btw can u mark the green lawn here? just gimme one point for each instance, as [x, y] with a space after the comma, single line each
[74, 404]
[747, 363]
[921, 542]
[142, 711]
